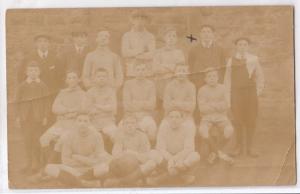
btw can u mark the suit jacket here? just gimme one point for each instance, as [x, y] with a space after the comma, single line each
[52, 71]
[73, 60]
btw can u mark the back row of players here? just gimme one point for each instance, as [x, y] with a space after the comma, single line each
[156, 81]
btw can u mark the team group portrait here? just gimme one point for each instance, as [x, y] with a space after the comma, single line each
[150, 97]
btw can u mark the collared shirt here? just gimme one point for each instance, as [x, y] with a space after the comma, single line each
[253, 67]
[206, 44]
[29, 80]
[42, 54]
[106, 59]
[249, 61]
[79, 49]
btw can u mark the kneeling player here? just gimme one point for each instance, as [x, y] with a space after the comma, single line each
[83, 157]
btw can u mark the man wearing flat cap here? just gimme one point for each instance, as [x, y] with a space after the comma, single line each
[51, 72]
[138, 43]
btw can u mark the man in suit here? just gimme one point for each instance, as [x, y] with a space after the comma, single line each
[48, 62]
[51, 71]
[75, 53]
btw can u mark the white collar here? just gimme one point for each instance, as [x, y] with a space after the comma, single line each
[29, 80]
[42, 54]
[79, 48]
[142, 31]
[240, 56]
[207, 44]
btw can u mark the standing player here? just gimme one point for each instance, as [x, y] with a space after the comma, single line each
[138, 43]
[102, 57]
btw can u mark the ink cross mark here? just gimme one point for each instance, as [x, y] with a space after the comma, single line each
[191, 38]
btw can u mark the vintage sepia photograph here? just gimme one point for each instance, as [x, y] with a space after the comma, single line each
[150, 97]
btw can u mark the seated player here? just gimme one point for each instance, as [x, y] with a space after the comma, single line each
[139, 99]
[66, 106]
[175, 142]
[213, 108]
[103, 106]
[83, 157]
[180, 94]
[133, 157]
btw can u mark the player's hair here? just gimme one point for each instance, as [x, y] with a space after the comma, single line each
[83, 113]
[175, 110]
[129, 117]
[72, 71]
[207, 26]
[242, 38]
[140, 62]
[39, 36]
[209, 70]
[100, 70]
[103, 29]
[181, 65]
[78, 34]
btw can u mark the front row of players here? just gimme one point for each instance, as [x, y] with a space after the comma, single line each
[85, 131]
